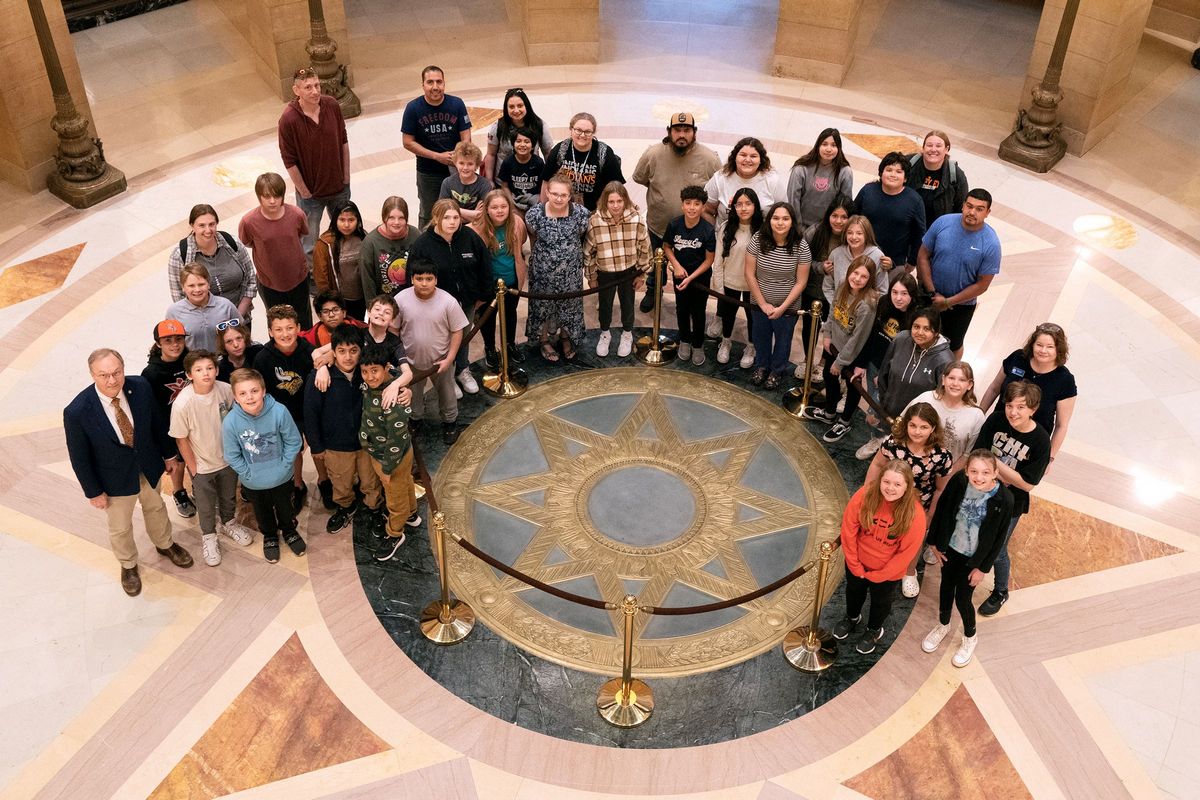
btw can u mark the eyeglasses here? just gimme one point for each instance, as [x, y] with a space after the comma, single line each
[332, 311]
[581, 132]
[229, 323]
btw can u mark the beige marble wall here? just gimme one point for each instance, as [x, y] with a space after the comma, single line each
[278, 30]
[27, 142]
[1103, 46]
[561, 31]
[815, 39]
[1179, 19]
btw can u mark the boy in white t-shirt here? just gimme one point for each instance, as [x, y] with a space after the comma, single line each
[196, 417]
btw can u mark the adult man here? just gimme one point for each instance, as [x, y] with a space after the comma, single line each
[664, 169]
[117, 440]
[937, 178]
[589, 163]
[315, 152]
[959, 257]
[433, 123]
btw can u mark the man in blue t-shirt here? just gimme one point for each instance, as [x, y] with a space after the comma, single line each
[959, 257]
[433, 124]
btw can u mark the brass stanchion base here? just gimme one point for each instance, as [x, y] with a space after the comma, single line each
[793, 402]
[451, 630]
[665, 354]
[420, 490]
[625, 711]
[817, 656]
[517, 383]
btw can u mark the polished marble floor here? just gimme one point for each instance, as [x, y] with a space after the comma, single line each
[1085, 684]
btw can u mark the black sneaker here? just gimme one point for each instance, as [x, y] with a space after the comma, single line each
[414, 520]
[992, 604]
[449, 432]
[492, 358]
[870, 636]
[184, 504]
[845, 627]
[516, 354]
[271, 548]
[388, 547]
[647, 304]
[837, 431]
[818, 414]
[326, 489]
[341, 519]
[298, 494]
[295, 543]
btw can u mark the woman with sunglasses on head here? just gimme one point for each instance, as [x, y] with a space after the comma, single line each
[230, 268]
[201, 312]
[517, 114]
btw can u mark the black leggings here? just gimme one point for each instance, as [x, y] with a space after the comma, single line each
[833, 387]
[488, 330]
[273, 509]
[728, 312]
[881, 593]
[957, 590]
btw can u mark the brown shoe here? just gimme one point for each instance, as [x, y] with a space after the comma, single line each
[131, 582]
[179, 557]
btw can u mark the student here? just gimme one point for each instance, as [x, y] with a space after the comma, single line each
[818, 176]
[845, 334]
[336, 259]
[202, 313]
[196, 417]
[734, 235]
[275, 232]
[383, 258]
[331, 420]
[967, 533]
[859, 240]
[617, 240]
[503, 233]
[235, 350]
[262, 443]
[431, 329]
[384, 434]
[165, 373]
[465, 185]
[331, 314]
[777, 267]
[896, 310]
[690, 244]
[896, 212]
[1023, 448]
[521, 172]
[955, 404]
[882, 529]
[823, 237]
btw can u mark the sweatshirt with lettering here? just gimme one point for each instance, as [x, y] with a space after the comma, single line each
[878, 553]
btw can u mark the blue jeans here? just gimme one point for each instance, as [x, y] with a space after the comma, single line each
[312, 208]
[772, 340]
[1002, 566]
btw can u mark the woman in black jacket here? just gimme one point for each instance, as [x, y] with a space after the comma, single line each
[967, 533]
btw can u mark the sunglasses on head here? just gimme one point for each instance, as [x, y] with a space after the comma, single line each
[229, 323]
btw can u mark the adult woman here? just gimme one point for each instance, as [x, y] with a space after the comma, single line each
[517, 113]
[859, 241]
[556, 229]
[818, 176]
[230, 268]
[777, 264]
[383, 254]
[1042, 361]
[587, 162]
[729, 267]
[935, 176]
[503, 233]
[336, 259]
[895, 211]
[202, 313]
[748, 166]
[235, 350]
[882, 528]
[617, 241]
[823, 237]
[895, 314]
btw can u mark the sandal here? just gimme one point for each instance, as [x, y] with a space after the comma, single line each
[548, 351]
[568, 348]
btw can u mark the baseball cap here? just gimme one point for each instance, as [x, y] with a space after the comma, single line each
[169, 327]
[682, 118]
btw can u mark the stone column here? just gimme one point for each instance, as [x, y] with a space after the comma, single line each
[814, 40]
[561, 31]
[1099, 60]
[27, 142]
[1178, 19]
[278, 30]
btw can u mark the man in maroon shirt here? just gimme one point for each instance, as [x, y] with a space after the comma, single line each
[315, 152]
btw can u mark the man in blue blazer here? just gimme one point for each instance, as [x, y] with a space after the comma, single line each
[117, 441]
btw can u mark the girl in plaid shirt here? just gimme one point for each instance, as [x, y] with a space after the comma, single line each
[617, 240]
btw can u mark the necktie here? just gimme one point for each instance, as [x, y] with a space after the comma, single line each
[123, 422]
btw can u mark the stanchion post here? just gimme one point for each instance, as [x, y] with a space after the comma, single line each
[504, 383]
[625, 702]
[445, 621]
[795, 400]
[656, 350]
[811, 648]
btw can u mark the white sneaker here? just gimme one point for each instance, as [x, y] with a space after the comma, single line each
[747, 357]
[723, 351]
[869, 448]
[817, 374]
[602, 344]
[698, 357]
[934, 639]
[910, 586]
[237, 531]
[930, 555]
[799, 373]
[457, 391]
[685, 351]
[714, 329]
[210, 549]
[467, 380]
[965, 650]
[625, 346]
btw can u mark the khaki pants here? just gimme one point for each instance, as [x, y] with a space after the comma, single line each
[443, 384]
[342, 468]
[120, 522]
[400, 492]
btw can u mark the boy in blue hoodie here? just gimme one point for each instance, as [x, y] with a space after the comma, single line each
[261, 443]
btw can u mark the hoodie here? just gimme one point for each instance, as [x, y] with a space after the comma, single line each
[874, 553]
[464, 265]
[261, 449]
[166, 379]
[906, 370]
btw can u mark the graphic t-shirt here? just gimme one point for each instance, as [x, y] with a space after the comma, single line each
[522, 179]
[284, 375]
[197, 418]
[384, 262]
[691, 245]
[1027, 453]
[1057, 384]
[589, 172]
[435, 128]
[466, 196]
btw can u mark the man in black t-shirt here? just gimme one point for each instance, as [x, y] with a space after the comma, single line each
[589, 163]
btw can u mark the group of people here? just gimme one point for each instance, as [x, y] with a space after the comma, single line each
[894, 273]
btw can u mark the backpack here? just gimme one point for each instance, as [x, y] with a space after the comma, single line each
[915, 157]
[565, 146]
[228, 237]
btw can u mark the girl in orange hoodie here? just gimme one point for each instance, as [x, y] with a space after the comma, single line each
[882, 530]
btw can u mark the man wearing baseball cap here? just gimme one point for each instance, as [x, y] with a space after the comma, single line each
[664, 169]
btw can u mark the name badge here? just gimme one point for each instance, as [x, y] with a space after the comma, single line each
[1018, 372]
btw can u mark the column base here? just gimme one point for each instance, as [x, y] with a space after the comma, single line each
[1037, 159]
[86, 194]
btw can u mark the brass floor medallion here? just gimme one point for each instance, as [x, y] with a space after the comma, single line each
[673, 487]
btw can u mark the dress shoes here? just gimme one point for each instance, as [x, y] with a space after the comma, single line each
[179, 557]
[131, 581]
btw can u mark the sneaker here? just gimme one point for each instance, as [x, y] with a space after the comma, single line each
[698, 358]
[210, 549]
[758, 376]
[449, 433]
[602, 344]
[184, 504]
[625, 346]
[298, 494]
[714, 328]
[341, 519]
[491, 358]
[295, 543]
[747, 357]
[799, 373]
[723, 351]
[325, 487]
[414, 520]
[965, 650]
[271, 548]
[845, 627]
[930, 555]
[934, 639]
[237, 531]
[516, 354]
[868, 451]
[388, 547]
[867, 643]
[457, 391]
[685, 351]
[910, 586]
[818, 414]
[467, 381]
[994, 600]
[835, 434]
